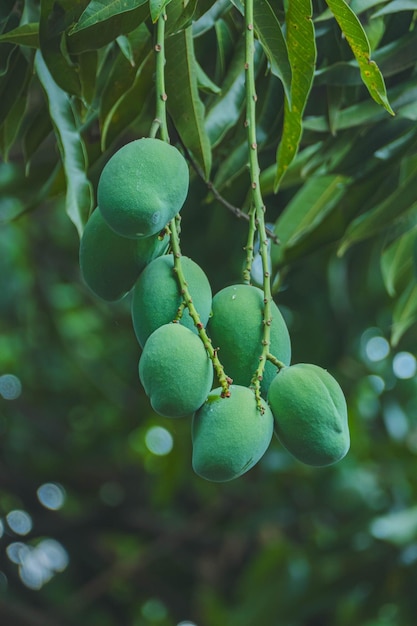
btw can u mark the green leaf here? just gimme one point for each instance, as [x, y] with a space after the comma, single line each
[25, 35]
[269, 32]
[396, 6]
[54, 21]
[405, 313]
[103, 22]
[11, 126]
[156, 8]
[14, 83]
[130, 103]
[99, 11]
[381, 216]
[397, 261]
[79, 197]
[205, 83]
[358, 41]
[306, 211]
[227, 109]
[184, 104]
[302, 56]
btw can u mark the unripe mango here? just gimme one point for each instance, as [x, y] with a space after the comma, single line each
[236, 328]
[230, 435]
[156, 296]
[310, 414]
[110, 264]
[175, 371]
[142, 187]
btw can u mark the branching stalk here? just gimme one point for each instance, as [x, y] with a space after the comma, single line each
[258, 206]
[160, 124]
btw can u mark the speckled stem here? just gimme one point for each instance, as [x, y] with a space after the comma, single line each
[224, 380]
[257, 201]
[160, 121]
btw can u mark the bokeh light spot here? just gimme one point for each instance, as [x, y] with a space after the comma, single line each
[10, 387]
[377, 383]
[404, 365]
[51, 495]
[159, 440]
[377, 348]
[19, 522]
[16, 552]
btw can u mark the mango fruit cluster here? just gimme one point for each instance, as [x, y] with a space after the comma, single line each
[123, 249]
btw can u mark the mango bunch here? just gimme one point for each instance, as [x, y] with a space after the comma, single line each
[125, 248]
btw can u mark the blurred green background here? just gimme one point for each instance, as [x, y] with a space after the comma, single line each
[102, 520]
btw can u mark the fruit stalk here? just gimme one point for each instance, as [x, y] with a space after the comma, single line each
[258, 208]
[160, 121]
[224, 380]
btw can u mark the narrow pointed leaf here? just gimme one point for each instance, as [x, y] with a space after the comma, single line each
[395, 6]
[358, 41]
[305, 212]
[103, 22]
[25, 35]
[381, 216]
[184, 104]
[302, 56]
[405, 313]
[397, 261]
[79, 196]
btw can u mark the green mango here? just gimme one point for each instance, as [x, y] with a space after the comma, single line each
[310, 413]
[142, 187]
[236, 328]
[175, 371]
[230, 435]
[156, 296]
[110, 264]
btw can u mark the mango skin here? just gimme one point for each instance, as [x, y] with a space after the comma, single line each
[142, 187]
[175, 371]
[156, 296]
[230, 435]
[310, 413]
[236, 328]
[110, 264]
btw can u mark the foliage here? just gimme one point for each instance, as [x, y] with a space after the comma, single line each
[148, 542]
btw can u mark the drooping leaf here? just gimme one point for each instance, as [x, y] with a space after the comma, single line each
[100, 11]
[227, 109]
[130, 103]
[184, 104]
[269, 32]
[14, 83]
[302, 56]
[24, 35]
[381, 216]
[397, 261]
[405, 313]
[395, 7]
[11, 125]
[79, 195]
[305, 212]
[358, 41]
[103, 22]
[54, 21]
